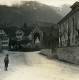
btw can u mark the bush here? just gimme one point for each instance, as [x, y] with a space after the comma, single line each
[30, 49]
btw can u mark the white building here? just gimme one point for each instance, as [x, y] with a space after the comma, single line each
[4, 39]
[19, 34]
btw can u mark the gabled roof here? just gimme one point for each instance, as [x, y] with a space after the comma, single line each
[9, 29]
[75, 7]
[28, 31]
[76, 4]
[43, 26]
[20, 29]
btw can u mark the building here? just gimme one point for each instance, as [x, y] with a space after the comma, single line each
[69, 28]
[19, 34]
[43, 35]
[4, 39]
[37, 35]
[7, 33]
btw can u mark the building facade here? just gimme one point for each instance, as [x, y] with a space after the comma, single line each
[36, 36]
[19, 34]
[69, 28]
[4, 39]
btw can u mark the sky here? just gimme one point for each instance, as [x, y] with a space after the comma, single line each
[48, 2]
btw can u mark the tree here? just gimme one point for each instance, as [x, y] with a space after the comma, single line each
[12, 43]
[69, 32]
[25, 26]
[54, 37]
[60, 35]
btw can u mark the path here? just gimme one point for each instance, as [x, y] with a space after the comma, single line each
[42, 69]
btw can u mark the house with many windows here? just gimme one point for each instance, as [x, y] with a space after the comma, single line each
[19, 34]
[69, 28]
[4, 39]
[7, 33]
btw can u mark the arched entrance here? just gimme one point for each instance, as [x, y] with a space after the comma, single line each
[37, 38]
[37, 41]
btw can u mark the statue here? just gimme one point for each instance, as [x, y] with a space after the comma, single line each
[37, 40]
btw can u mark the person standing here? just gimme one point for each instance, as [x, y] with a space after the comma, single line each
[6, 62]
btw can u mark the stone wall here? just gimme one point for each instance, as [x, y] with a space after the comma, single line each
[48, 53]
[70, 54]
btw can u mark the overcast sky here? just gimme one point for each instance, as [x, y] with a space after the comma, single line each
[48, 2]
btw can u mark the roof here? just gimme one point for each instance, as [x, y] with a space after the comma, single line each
[20, 29]
[76, 4]
[70, 13]
[9, 29]
[29, 30]
[43, 26]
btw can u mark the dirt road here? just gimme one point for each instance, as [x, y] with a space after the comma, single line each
[33, 66]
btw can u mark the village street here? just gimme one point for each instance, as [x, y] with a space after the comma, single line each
[33, 66]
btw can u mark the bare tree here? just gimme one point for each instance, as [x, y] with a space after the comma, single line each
[60, 35]
[69, 32]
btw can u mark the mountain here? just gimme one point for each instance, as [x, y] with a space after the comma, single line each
[29, 12]
[62, 10]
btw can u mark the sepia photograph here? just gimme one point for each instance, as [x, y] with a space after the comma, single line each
[39, 39]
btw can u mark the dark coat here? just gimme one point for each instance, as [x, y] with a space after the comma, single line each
[6, 59]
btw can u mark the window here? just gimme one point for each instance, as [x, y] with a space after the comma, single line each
[65, 41]
[72, 40]
[2, 43]
[25, 38]
[5, 43]
[64, 30]
[19, 38]
[6, 47]
[73, 24]
[5, 38]
[16, 38]
[19, 34]
[76, 42]
[2, 47]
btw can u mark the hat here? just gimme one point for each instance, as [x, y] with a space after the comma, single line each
[7, 55]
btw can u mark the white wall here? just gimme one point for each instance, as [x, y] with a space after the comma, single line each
[19, 37]
[4, 43]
